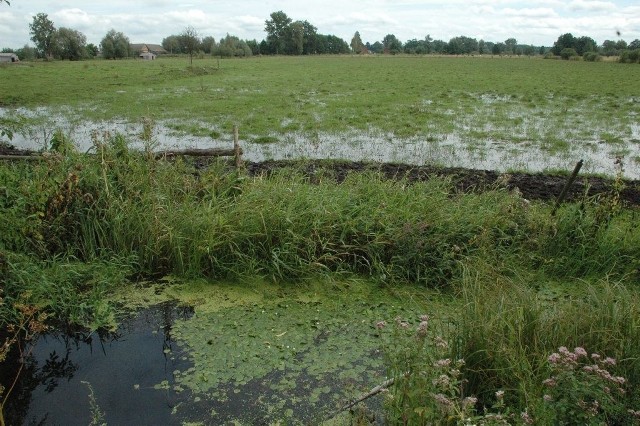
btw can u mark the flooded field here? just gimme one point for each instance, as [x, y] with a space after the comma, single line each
[457, 149]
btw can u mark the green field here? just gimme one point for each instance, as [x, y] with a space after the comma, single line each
[475, 105]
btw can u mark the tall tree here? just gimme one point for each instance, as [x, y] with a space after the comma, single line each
[172, 44]
[70, 44]
[391, 44]
[510, 45]
[190, 42]
[310, 38]
[208, 44]
[565, 41]
[356, 43]
[296, 39]
[42, 33]
[277, 29]
[115, 45]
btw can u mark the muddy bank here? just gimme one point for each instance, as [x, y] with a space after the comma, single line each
[532, 186]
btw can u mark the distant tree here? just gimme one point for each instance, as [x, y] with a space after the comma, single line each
[172, 44]
[608, 48]
[330, 44]
[564, 41]
[510, 46]
[498, 48]
[27, 53]
[254, 46]
[391, 44]
[115, 45]
[70, 44]
[462, 45]
[208, 44]
[376, 47]
[621, 45]
[92, 50]
[295, 42]
[585, 44]
[439, 46]
[635, 44]
[310, 34]
[232, 46]
[42, 33]
[278, 31]
[356, 43]
[190, 42]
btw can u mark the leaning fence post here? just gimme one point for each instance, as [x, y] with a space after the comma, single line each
[563, 194]
[236, 147]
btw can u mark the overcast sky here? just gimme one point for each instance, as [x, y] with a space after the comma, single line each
[149, 21]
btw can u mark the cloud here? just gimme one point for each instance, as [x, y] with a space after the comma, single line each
[591, 5]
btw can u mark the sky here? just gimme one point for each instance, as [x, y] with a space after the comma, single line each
[149, 21]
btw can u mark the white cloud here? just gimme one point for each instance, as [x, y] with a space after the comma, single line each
[592, 5]
[535, 22]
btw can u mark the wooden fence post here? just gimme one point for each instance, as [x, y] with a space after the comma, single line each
[236, 147]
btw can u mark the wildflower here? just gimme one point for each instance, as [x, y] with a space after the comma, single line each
[579, 351]
[403, 324]
[547, 398]
[595, 357]
[442, 381]
[441, 363]
[381, 324]
[554, 358]
[550, 382]
[634, 413]
[422, 329]
[441, 343]
[526, 418]
[424, 318]
[609, 361]
[443, 401]
[500, 394]
[469, 401]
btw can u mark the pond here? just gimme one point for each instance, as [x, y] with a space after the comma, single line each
[247, 355]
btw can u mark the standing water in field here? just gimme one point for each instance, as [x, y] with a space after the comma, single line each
[465, 147]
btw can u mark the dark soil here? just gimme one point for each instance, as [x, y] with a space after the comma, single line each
[533, 186]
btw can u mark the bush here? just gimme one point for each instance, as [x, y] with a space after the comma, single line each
[568, 53]
[592, 57]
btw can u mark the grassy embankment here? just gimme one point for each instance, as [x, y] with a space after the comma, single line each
[552, 105]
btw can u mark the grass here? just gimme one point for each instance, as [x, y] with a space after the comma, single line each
[476, 99]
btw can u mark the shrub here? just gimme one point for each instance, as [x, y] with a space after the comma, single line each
[592, 57]
[568, 53]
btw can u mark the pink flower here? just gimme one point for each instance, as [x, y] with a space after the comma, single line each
[441, 363]
[579, 351]
[526, 418]
[595, 357]
[550, 382]
[381, 324]
[547, 398]
[469, 401]
[609, 361]
[554, 358]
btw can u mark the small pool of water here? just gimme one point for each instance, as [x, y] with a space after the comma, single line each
[121, 368]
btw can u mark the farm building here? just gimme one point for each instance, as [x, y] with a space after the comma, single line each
[147, 51]
[9, 57]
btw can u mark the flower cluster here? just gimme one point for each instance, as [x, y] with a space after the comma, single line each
[582, 383]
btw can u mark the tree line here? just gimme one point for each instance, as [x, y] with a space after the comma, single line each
[284, 36]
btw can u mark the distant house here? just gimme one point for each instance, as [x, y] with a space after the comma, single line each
[9, 57]
[147, 51]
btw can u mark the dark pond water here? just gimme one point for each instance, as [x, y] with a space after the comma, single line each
[121, 368]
